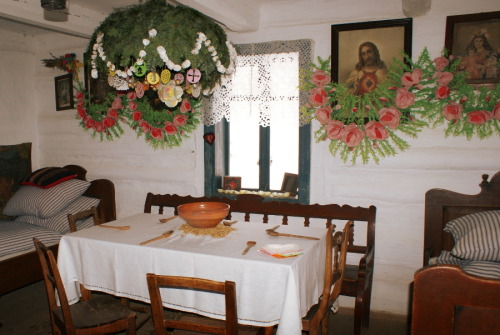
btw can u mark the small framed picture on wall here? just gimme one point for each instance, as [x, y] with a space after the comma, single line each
[64, 92]
[475, 40]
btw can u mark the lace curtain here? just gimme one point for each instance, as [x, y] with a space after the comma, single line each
[254, 84]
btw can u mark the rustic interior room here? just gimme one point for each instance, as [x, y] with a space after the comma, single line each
[294, 116]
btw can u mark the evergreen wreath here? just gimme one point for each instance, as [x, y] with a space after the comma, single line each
[160, 61]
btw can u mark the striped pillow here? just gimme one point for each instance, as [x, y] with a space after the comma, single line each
[48, 177]
[476, 236]
[59, 222]
[44, 203]
[483, 269]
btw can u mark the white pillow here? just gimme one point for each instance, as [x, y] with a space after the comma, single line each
[476, 236]
[44, 203]
[59, 222]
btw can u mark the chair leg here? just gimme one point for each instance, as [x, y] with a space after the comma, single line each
[131, 325]
[268, 330]
[366, 307]
[358, 311]
[324, 323]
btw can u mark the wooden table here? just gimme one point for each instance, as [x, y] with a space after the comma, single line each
[270, 291]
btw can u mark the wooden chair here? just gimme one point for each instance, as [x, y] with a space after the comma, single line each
[447, 301]
[189, 323]
[73, 218]
[92, 315]
[358, 278]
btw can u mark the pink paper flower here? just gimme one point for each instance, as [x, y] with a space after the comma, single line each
[145, 127]
[442, 92]
[441, 63]
[352, 135]
[185, 105]
[444, 78]
[137, 115]
[320, 78]
[132, 105]
[323, 114]
[117, 103]
[376, 131]
[81, 112]
[170, 128]
[318, 97]
[453, 111]
[389, 117]
[479, 117]
[334, 129]
[496, 111]
[180, 120]
[108, 122]
[113, 113]
[157, 134]
[131, 95]
[404, 98]
[412, 78]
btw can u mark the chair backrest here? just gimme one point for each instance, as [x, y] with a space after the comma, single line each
[73, 218]
[249, 204]
[335, 262]
[54, 288]
[161, 323]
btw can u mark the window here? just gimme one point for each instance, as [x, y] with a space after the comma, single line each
[261, 136]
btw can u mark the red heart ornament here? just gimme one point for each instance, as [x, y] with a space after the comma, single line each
[209, 138]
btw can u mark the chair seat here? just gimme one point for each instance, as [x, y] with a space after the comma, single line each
[351, 272]
[100, 310]
[198, 319]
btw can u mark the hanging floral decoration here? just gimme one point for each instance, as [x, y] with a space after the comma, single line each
[67, 63]
[159, 61]
[371, 126]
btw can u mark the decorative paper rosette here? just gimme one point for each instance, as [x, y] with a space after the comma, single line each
[159, 59]
[370, 126]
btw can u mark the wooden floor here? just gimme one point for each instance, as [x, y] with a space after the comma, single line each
[24, 312]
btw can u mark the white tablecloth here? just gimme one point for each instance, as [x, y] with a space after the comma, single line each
[269, 290]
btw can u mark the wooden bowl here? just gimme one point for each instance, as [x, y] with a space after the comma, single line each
[203, 214]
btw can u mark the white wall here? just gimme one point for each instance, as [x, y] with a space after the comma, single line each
[396, 186]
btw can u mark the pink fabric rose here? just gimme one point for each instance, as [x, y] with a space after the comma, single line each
[412, 78]
[117, 103]
[89, 122]
[137, 115]
[131, 95]
[496, 111]
[98, 126]
[156, 133]
[352, 135]
[113, 113]
[442, 92]
[440, 63]
[479, 117]
[108, 122]
[81, 111]
[318, 97]
[389, 117]
[444, 78]
[404, 98]
[334, 129]
[132, 105]
[185, 105]
[323, 114]
[80, 95]
[376, 131]
[170, 128]
[145, 127]
[180, 120]
[320, 78]
[453, 111]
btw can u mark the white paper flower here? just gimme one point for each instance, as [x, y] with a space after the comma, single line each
[99, 37]
[161, 50]
[142, 53]
[195, 52]
[94, 73]
[186, 64]
[177, 68]
[140, 61]
[145, 41]
[152, 33]
[211, 48]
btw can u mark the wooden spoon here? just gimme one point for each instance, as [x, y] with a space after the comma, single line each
[165, 234]
[249, 245]
[168, 219]
[275, 233]
[229, 223]
[115, 227]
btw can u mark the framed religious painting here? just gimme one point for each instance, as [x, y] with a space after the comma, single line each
[362, 52]
[64, 92]
[475, 40]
